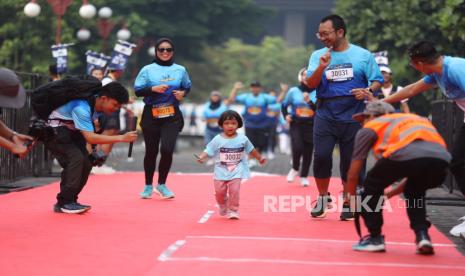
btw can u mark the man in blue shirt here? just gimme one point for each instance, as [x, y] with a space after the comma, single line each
[73, 129]
[341, 72]
[448, 73]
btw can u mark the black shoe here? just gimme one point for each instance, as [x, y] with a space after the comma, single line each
[346, 214]
[57, 208]
[319, 210]
[73, 208]
[423, 241]
[88, 207]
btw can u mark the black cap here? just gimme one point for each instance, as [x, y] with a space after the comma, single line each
[255, 83]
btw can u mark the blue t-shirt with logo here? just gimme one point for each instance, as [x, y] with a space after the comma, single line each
[153, 74]
[211, 116]
[230, 156]
[77, 111]
[452, 80]
[299, 108]
[255, 108]
[349, 69]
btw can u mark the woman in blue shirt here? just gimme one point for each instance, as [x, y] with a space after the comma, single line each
[301, 99]
[163, 84]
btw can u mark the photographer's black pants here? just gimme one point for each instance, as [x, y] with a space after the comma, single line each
[421, 173]
[69, 148]
[160, 135]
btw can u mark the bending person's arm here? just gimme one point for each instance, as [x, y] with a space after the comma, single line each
[409, 91]
[95, 139]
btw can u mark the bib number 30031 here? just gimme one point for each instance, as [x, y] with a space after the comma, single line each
[340, 72]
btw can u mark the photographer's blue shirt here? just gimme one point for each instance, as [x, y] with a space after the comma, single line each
[230, 156]
[349, 69]
[77, 111]
[452, 80]
[255, 107]
[175, 76]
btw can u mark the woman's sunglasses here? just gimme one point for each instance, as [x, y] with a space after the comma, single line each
[161, 50]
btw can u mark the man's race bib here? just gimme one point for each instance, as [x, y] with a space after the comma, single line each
[212, 122]
[231, 157]
[271, 113]
[254, 110]
[162, 111]
[304, 112]
[340, 72]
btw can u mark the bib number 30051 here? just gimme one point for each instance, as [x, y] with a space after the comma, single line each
[340, 72]
[163, 111]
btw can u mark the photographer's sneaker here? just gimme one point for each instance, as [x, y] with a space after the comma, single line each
[164, 192]
[423, 241]
[104, 169]
[319, 210]
[233, 215]
[292, 175]
[304, 182]
[147, 192]
[346, 213]
[370, 244]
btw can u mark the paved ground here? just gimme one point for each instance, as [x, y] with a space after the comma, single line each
[443, 208]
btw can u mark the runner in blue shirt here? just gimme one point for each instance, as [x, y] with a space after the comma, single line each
[447, 73]
[163, 84]
[212, 111]
[340, 72]
[255, 103]
[302, 101]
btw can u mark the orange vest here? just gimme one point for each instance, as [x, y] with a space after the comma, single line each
[398, 130]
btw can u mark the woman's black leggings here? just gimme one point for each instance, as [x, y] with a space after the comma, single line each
[160, 135]
[302, 146]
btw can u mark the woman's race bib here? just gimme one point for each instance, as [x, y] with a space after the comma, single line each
[304, 112]
[212, 122]
[163, 111]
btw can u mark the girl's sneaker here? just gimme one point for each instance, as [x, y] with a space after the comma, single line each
[147, 193]
[233, 215]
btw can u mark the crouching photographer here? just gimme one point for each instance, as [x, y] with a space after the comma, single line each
[71, 129]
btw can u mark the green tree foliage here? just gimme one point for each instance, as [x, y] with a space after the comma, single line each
[394, 25]
[271, 63]
[192, 24]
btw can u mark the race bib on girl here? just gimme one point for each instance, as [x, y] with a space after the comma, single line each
[163, 111]
[231, 157]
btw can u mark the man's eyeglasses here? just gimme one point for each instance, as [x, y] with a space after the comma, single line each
[325, 34]
[161, 50]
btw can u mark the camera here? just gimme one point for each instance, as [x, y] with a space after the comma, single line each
[97, 158]
[39, 129]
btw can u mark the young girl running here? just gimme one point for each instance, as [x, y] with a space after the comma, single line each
[229, 150]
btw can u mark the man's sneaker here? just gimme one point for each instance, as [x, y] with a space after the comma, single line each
[304, 182]
[370, 244]
[222, 210]
[164, 192]
[292, 175]
[233, 215]
[319, 210]
[73, 208]
[346, 214]
[423, 241]
[147, 192]
[88, 207]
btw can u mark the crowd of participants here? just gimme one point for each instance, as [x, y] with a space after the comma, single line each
[342, 98]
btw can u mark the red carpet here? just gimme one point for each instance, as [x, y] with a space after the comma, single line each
[124, 235]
